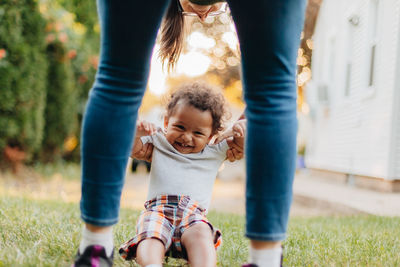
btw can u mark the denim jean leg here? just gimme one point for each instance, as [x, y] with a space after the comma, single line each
[128, 33]
[269, 36]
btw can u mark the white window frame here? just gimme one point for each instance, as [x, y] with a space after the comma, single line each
[373, 47]
[353, 21]
[326, 87]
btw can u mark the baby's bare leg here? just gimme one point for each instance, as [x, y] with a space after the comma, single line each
[198, 241]
[150, 251]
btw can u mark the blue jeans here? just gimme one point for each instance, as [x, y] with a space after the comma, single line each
[269, 34]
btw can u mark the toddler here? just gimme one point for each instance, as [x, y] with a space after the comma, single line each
[183, 171]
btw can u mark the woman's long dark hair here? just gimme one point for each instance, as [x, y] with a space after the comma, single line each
[172, 36]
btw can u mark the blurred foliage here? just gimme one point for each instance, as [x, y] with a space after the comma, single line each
[224, 55]
[78, 20]
[23, 70]
[48, 59]
[61, 105]
[75, 25]
[85, 13]
[306, 47]
[149, 101]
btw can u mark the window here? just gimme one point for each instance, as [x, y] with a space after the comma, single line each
[323, 94]
[353, 21]
[348, 78]
[373, 38]
[329, 69]
[332, 59]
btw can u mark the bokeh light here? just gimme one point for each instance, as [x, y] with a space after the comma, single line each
[231, 39]
[199, 40]
[193, 64]
[157, 76]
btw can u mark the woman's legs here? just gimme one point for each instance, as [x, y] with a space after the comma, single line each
[269, 34]
[128, 32]
[199, 244]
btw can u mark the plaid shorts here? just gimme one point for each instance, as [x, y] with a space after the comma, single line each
[166, 218]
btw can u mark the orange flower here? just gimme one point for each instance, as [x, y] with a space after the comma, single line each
[59, 26]
[49, 26]
[82, 79]
[94, 61]
[3, 53]
[70, 143]
[63, 37]
[50, 38]
[85, 67]
[72, 54]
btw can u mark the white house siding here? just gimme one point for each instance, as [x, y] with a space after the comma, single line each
[353, 133]
[394, 172]
[395, 153]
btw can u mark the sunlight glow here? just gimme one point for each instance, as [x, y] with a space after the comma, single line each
[310, 44]
[232, 61]
[232, 27]
[157, 78]
[305, 109]
[304, 76]
[231, 39]
[193, 64]
[199, 40]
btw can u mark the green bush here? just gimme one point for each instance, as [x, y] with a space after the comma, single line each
[74, 26]
[85, 12]
[48, 60]
[61, 105]
[23, 70]
[85, 61]
[87, 45]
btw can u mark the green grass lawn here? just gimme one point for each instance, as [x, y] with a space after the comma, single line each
[47, 233]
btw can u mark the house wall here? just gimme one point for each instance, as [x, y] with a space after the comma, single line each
[352, 121]
[394, 168]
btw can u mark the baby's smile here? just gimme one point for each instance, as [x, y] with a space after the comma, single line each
[181, 147]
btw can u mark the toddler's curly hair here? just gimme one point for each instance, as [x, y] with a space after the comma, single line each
[203, 97]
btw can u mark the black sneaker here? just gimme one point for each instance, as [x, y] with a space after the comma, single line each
[93, 256]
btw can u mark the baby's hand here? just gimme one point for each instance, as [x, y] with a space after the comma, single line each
[239, 129]
[144, 128]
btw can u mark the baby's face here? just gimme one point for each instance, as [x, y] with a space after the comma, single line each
[188, 129]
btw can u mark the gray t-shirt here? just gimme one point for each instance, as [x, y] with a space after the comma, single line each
[174, 173]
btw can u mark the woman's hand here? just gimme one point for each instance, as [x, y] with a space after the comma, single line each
[235, 138]
[140, 151]
[145, 152]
